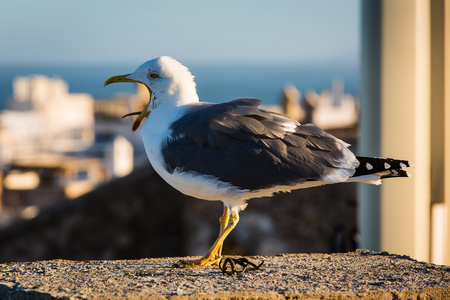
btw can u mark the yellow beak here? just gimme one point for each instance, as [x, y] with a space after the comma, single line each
[142, 114]
[119, 78]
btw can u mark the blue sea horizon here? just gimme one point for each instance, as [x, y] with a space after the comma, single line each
[215, 83]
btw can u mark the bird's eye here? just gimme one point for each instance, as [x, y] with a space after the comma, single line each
[154, 75]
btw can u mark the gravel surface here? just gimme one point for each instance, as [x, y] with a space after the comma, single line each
[301, 276]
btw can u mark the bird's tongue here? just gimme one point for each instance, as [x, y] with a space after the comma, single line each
[141, 115]
[136, 113]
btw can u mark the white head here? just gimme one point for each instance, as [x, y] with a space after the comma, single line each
[168, 81]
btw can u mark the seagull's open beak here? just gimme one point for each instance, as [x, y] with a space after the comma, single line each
[142, 114]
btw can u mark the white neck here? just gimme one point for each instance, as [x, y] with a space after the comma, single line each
[180, 91]
[175, 97]
[185, 94]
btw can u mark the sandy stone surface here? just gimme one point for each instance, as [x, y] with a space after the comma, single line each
[361, 274]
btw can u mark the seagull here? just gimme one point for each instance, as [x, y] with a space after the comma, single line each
[236, 151]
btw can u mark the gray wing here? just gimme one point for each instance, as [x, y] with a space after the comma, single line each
[240, 143]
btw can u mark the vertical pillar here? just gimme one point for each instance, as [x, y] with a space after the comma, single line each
[369, 196]
[405, 125]
[438, 132]
[446, 126]
[396, 122]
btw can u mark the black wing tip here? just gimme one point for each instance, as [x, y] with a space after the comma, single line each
[387, 167]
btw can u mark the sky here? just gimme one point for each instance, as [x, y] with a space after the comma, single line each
[221, 32]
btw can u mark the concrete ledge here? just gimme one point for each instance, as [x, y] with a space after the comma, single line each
[361, 274]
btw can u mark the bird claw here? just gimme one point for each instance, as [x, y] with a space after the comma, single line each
[201, 262]
[241, 263]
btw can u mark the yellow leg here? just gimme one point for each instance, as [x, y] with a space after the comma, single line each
[223, 220]
[213, 255]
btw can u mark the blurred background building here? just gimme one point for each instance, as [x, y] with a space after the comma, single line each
[56, 145]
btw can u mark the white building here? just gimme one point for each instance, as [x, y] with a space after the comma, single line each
[44, 117]
[328, 110]
[49, 149]
[333, 109]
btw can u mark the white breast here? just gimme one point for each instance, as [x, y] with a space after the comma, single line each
[155, 131]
